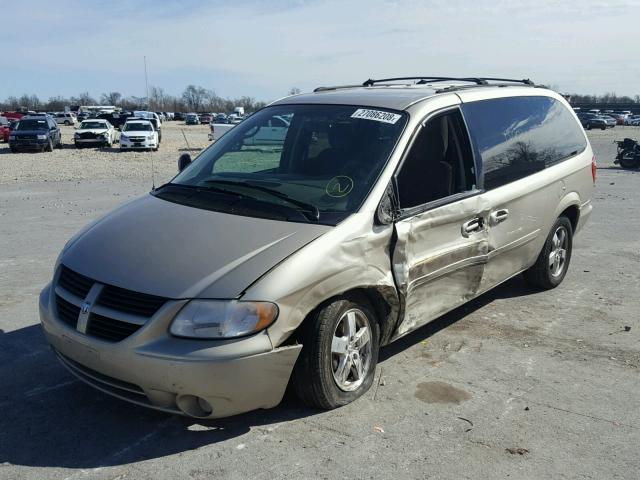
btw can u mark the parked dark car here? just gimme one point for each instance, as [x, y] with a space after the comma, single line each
[220, 118]
[178, 116]
[205, 118]
[117, 119]
[592, 120]
[35, 133]
[192, 119]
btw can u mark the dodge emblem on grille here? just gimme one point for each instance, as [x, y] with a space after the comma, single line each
[86, 306]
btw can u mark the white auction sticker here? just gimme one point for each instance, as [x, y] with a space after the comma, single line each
[377, 115]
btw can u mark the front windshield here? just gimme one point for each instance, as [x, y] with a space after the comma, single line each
[138, 127]
[324, 157]
[32, 124]
[91, 125]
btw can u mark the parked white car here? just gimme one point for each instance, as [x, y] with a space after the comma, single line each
[95, 132]
[138, 135]
[65, 118]
[633, 120]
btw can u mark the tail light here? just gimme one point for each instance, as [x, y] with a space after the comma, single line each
[594, 168]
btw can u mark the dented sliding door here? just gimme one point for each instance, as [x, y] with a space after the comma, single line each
[439, 259]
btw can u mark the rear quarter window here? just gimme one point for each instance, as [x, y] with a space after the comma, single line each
[519, 136]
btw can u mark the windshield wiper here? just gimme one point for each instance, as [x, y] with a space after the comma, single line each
[305, 207]
[203, 188]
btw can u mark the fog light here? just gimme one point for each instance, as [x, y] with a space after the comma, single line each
[194, 406]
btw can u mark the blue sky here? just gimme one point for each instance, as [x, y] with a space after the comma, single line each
[263, 48]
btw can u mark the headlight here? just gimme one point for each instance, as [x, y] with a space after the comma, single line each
[42, 137]
[76, 135]
[149, 137]
[123, 137]
[222, 319]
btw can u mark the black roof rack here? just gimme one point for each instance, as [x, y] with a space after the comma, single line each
[421, 80]
[425, 79]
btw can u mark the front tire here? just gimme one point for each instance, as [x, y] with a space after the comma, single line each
[339, 354]
[588, 126]
[553, 262]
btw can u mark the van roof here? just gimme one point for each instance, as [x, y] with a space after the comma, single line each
[396, 96]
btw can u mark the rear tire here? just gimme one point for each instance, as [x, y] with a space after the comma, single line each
[604, 127]
[553, 262]
[588, 126]
[48, 147]
[629, 162]
[339, 354]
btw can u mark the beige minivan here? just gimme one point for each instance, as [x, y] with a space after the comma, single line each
[374, 210]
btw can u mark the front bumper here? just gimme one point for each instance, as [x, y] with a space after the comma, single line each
[28, 143]
[146, 144]
[99, 140]
[154, 369]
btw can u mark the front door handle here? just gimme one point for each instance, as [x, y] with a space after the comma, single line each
[498, 216]
[472, 226]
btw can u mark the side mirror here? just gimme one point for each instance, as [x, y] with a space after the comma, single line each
[386, 211]
[184, 161]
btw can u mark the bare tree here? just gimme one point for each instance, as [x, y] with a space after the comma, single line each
[157, 98]
[194, 97]
[111, 98]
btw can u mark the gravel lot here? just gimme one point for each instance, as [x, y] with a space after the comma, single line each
[70, 163]
[517, 384]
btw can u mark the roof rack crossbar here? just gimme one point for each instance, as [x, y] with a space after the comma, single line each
[421, 80]
[425, 79]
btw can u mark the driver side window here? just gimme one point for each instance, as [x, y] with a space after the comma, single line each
[439, 163]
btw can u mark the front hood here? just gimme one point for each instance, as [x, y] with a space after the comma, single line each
[161, 248]
[96, 131]
[29, 132]
[136, 133]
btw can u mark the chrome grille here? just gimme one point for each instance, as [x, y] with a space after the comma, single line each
[122, 312]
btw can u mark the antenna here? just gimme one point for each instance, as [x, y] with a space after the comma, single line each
[146, 84]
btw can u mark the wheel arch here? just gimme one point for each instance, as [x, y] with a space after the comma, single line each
[383, 299]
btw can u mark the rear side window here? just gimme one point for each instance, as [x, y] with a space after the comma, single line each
[518, 136]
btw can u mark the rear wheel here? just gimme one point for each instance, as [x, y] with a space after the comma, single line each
[629, 161]
[49, 146]
[339, 354]
[553, 262]
[603, 127]
[588, 126]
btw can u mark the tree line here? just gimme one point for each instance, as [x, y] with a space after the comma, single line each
[194, 98]
[606, 98]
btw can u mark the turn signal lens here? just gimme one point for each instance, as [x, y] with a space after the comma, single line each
[594, 168]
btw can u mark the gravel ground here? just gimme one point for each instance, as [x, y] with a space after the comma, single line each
[70, 163]
[518, 383]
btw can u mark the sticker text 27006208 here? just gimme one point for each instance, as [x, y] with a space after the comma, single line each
[377, 115]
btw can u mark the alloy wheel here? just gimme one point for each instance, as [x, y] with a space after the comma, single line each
[558, 254]
[351, 350]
